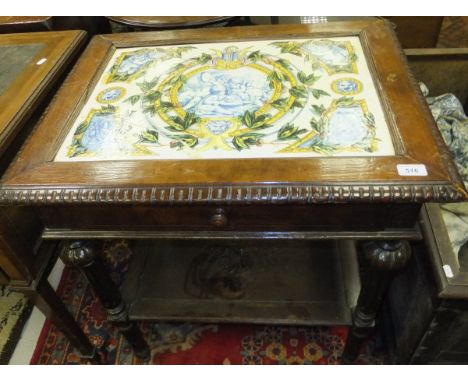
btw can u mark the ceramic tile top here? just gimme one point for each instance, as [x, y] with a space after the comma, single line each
[255, 99]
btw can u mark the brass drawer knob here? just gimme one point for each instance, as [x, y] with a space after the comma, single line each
[219, 218]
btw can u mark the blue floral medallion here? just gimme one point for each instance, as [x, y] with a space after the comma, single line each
[111, 95]
[347, 86]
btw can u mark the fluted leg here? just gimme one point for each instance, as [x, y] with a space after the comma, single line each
[384, 260]
[85, 256]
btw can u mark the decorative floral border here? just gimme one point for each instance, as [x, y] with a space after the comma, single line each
[292, 88]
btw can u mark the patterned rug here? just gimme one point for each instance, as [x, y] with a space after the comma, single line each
[14, 312]
[189, 343]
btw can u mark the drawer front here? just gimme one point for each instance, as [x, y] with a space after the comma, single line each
[357, 217]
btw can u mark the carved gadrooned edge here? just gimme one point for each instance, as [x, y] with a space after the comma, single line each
[306, 194]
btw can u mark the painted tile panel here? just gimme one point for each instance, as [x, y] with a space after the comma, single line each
[253, 99]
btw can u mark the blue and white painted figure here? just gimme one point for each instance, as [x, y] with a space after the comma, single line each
[330, 53]
[346, 127]
[132, 63]
[225, 93]
[100, 130]
[104, 136]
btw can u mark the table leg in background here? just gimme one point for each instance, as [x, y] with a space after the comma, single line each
[49, 303]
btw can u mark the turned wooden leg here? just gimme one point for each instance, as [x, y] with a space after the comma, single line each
[85, 256]
[47, 301]
[384, 260]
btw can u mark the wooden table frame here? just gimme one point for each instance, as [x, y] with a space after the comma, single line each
[301, 198]
[24, 262]
[169, 22]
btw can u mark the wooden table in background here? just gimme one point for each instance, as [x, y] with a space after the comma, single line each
[32, 66]
[14, 24]
[164, 22]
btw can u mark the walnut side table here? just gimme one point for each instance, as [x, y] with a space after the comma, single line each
[300, 132]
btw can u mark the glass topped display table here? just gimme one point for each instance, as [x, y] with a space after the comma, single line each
[290, 133]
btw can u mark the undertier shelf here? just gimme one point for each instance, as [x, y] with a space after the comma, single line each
[263, 282]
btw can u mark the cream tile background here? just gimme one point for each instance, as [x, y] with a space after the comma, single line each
[131, 121]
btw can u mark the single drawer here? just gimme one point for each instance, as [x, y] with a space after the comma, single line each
[281, 217]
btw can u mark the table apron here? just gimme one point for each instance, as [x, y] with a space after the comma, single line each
[391, 221]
